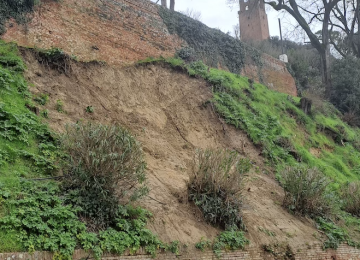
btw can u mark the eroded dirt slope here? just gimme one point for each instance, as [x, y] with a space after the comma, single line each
[167, 112]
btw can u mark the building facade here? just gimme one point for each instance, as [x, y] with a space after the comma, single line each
[253, 21]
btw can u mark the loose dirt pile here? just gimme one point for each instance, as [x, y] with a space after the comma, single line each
[168, 113]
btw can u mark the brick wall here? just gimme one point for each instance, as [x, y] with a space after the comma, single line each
[119, 32]
[311, 252]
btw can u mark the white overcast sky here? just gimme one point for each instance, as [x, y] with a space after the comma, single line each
[217, 14]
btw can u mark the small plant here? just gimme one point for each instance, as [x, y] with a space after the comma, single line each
[89, 109]
[42, 99]
[335, 234]
[173, 247]
[106, 166]
[59, 106]
[305, 191]
[216, 185]
[45, 113]
[230, 240]
[351, 198]
[203, 244]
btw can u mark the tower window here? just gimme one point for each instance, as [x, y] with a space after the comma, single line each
[247, 8]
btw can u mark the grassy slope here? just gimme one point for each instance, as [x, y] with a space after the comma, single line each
[287, 136]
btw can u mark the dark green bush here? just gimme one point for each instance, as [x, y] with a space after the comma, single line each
[106, 166]
[345, 92]
[305, 191]
[216, 186]
[187, 54]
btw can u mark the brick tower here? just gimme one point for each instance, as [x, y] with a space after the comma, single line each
[253, 20]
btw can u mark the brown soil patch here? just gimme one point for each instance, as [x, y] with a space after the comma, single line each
[165, 110]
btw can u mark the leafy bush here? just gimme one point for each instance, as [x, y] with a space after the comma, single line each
[305, 191]
[41, 220]
[346, 88]
[351, 198]
[216, 185]
[59, 106]
[187, 54]
[335, 234]
[106, 165]
[229, 240]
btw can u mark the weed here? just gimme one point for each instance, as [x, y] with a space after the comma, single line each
[203, 244]
[89, 109]
[45, 113]
[229, 240]
[42, 99]
[335, 234]
[267, 232]
[173, 247]
[305, 191]
[59, 106]
[216, 185]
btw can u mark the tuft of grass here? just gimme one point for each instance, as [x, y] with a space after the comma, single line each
[216, 185]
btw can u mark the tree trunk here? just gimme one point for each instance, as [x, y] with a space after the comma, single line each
[172, 5]
[163, 3]
[325, 71]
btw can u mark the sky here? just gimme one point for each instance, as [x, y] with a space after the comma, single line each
[217, 14]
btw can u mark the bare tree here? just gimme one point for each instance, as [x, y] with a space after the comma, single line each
[164, 3]
[344, 27]
[196, 15]
[236, 29]
[306, 13]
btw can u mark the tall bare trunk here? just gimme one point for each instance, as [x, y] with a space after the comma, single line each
[172, 5]
[325, 67]
[163, 3]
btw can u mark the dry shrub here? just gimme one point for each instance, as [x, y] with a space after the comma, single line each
[216, 186]
[352, 118]
[305, 191]
[106, 167]
[351, 198]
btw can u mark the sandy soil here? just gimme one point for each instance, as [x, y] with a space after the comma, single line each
[167, 111]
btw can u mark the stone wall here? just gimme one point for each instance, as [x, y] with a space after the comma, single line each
[314, 252]
[119, 32]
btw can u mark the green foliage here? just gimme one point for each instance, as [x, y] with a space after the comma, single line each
[203, 244]
[59, 106]
[187, 54]
[211, 45]
[229, 240]
[106, 164]
[16, 9]
[345, 92]
[40, 219]
[45, 113]
[216, 185]
[89, 109]
[305, 191]
[335, 234]
[42, 99]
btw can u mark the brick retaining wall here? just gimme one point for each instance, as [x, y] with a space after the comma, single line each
[119, 32]
[314, 252]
